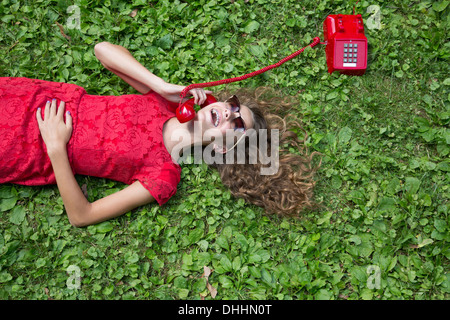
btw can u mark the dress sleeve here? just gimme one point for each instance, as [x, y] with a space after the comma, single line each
[163, 186]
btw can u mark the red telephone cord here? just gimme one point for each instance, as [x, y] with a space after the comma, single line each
[315, 42]
[355, 7]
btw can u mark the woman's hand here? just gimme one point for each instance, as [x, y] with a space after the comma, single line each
[55, 132]
[172, 93]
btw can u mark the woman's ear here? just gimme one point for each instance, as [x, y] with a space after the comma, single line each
[218, 149]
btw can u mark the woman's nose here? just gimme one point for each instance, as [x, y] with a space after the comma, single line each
[229, 114]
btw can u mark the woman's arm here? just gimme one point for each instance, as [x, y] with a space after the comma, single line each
[80, 211]
[120, 61]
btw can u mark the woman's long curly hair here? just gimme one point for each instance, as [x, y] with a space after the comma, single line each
[290, 189]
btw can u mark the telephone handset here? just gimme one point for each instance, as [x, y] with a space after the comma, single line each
[346, 49]
[186, 111]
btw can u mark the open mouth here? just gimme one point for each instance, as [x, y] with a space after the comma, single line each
[215, 117]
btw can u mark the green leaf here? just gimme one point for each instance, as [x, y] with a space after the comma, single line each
[266, 277]
[187, 259]
[256, 50]
[195, 235]
[180, 282]
[251, 26]
[223, 242]
[104, 227]
[366, 294]
[254, 258]
[393, 187]
[325, 218]
[226, 263]
[199, 285]
[165, 42]
[7, 18]
[242, 241]
[225, 281]
[157, 264]
[440, 225]
[17, 215]
[323, 294]
[332, 95]
[5, 277]
[291, 22]
[228, 67]
[237, 263]
[183, 293]
[203, 244]
[425, 242]
[440, 6]
[423, 124]
[8, 203]
[355, 239]
[412, 185]
[40, 262]
[446, 135]
[345, 134]
[336, 182]
[131, 257]
[386, 204]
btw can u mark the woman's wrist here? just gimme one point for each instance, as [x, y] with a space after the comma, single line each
[56, 151]
[158, 85]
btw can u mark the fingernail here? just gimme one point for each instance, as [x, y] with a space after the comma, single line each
[68, 112]
[48, 101]
[53, 99]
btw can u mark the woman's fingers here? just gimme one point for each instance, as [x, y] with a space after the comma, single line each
[47, 110]
[203, 96]
[199, 95]
[195, 95]
[39, 117]
[51, 110]
[68, 120]
[61, 109]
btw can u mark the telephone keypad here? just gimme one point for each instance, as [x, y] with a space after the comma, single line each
[350, 51]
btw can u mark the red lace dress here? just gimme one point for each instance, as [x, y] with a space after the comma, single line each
[114, 137]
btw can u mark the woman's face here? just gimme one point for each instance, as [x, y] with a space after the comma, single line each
[222, 116]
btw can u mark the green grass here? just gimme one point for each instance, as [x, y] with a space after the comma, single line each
[383, 184]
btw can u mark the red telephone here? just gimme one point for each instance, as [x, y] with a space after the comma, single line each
[346, 49]
[186, 111]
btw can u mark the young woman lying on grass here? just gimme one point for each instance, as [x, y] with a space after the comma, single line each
[51, 131]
